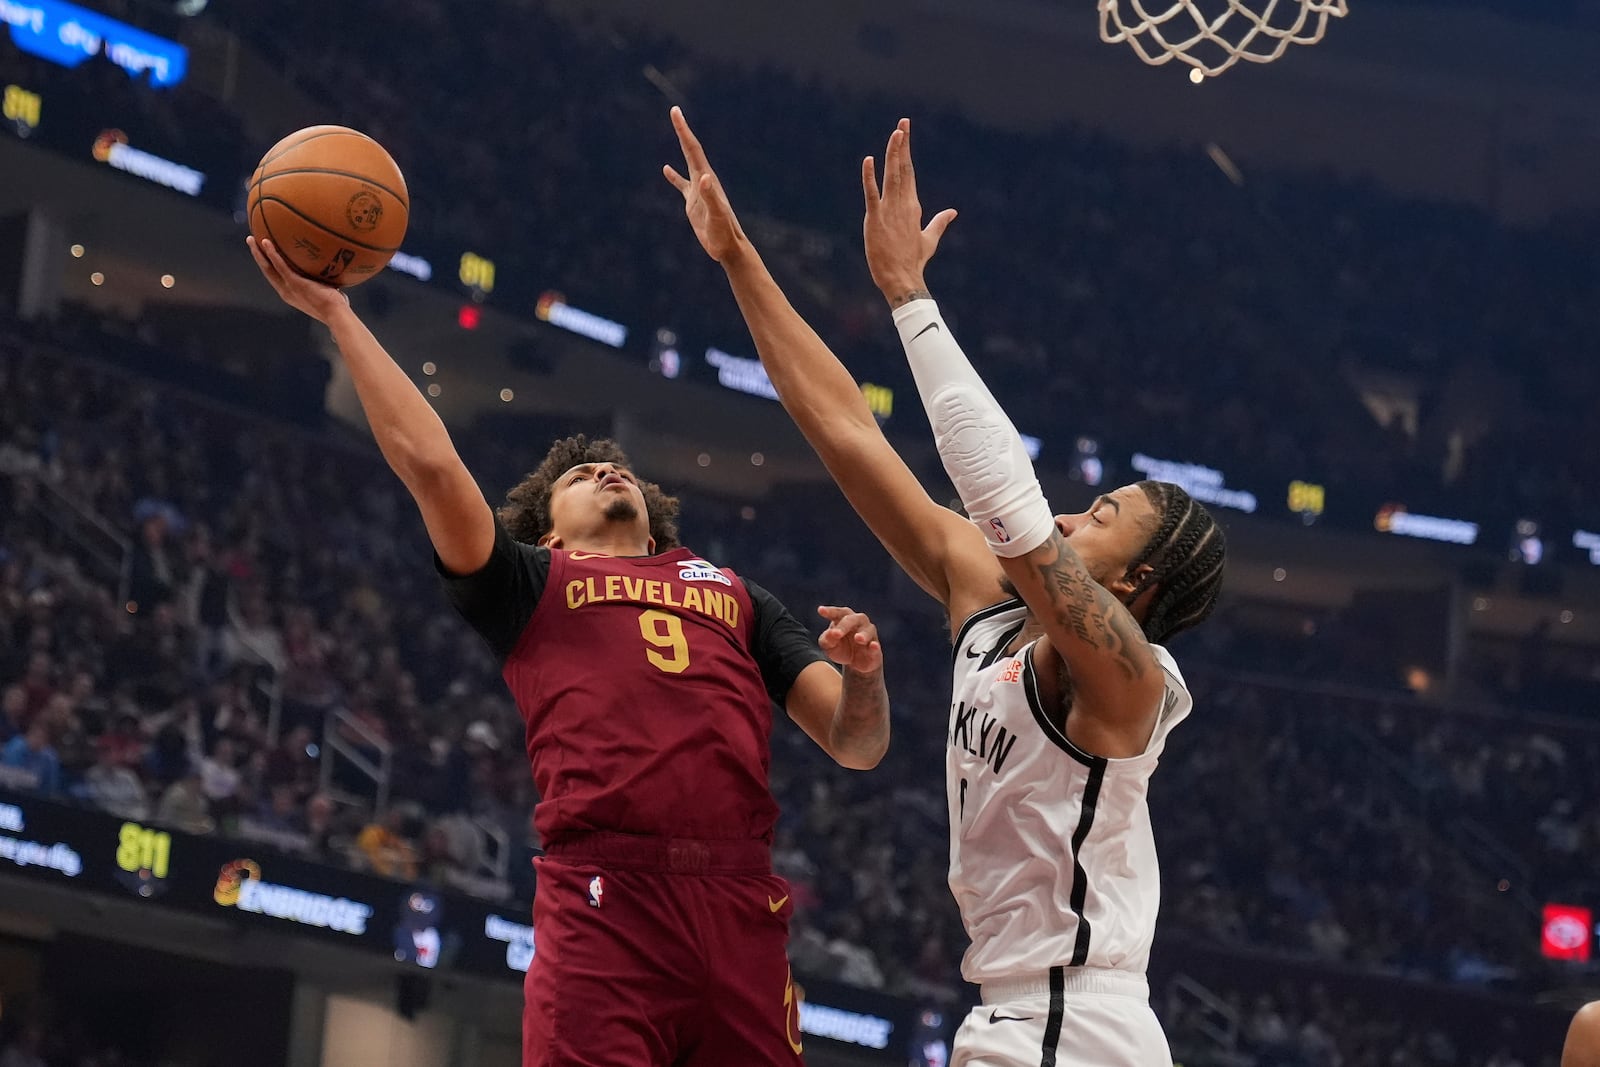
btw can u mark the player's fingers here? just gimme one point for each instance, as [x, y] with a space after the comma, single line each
[268, 267]
[712, 190]
[855, 626]
[905, 149]
[693, 154]
[679, 182]
[869, 185]
[255, 254]
[281, 268]
[832, 635]
[866, 656]
[891, 165]
[940, 223]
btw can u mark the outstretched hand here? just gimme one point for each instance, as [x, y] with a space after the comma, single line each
[316, 299]
[851, 640]
[704, 202]
[898, 245]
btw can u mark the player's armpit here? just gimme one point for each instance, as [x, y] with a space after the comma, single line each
[1115, 677]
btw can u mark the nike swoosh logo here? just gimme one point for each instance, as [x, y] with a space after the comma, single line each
[774, 905]
[995, 1017]
[973, 655]
[588, 555]
[925, 329]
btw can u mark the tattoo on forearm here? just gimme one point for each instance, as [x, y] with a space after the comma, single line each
[907, 297]
[1085, 607]
[861, 722]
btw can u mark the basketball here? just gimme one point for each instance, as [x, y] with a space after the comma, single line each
[332, 201]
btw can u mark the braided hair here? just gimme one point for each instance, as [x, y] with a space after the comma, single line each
[1187, 554]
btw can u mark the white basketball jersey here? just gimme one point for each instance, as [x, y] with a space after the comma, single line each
[1052, 859]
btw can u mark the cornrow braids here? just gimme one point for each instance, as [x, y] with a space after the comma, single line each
[526, 512]
[1188, 554]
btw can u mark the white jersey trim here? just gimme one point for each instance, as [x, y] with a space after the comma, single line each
[1030, 686]
[1091, 795]
[979, 616]
[1057, 734]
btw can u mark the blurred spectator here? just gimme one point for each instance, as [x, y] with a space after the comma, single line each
[34, 759]
[26, 1051]
[220, 779]
[183, 804]
[292, 764]
[386, 848]
[112, 786]
[153, 576]
[123, 742]
[320, 825]
[205, 601]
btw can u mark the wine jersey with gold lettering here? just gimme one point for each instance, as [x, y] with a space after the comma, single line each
[646, 685]
[1052, 857]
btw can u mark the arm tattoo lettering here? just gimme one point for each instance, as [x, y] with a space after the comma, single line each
[1085, 607]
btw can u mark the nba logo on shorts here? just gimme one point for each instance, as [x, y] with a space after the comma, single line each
[597, 889]
[999, 529]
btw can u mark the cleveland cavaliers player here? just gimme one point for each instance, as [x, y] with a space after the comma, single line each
[1062, 696]
[646, 678]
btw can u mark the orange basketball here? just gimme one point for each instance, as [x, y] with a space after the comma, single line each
[332, 201]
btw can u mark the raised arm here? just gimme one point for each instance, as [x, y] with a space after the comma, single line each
[409, 432]
[1116, 681]
[925, 539]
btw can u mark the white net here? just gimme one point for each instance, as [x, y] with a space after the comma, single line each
[1213, 35]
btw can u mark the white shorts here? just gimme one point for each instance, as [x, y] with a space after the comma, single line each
[1070, 1017]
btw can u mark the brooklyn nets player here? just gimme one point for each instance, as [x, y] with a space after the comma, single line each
[1062, 698]
[1060, 950]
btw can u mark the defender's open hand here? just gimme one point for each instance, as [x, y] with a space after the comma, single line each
[898, 245]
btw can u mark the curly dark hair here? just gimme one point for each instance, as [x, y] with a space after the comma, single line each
[526, 512]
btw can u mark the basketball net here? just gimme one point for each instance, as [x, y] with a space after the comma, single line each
[1213, 43]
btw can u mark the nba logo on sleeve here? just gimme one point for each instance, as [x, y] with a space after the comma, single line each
[999, 529]
[597, 888]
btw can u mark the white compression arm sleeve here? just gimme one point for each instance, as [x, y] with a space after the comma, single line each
[981, 449]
